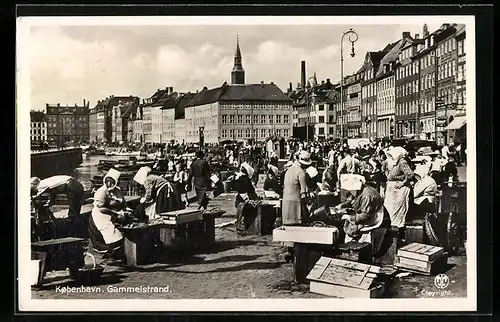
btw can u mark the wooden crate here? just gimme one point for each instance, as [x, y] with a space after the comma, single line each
[61, 253]
[305, 257]
[138, 244]
[182, 216]
[306, 235]
[414, 232]
[263, 223]
[358, 252]
[345, 279]
[421, 258]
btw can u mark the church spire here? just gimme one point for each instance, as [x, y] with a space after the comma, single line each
[238, 73]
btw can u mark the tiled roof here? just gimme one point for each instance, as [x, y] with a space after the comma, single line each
[171, 100]
[376, 57]
[181, 104]
[37, 116]
[391, 56]
[207, 96]
[254, 92]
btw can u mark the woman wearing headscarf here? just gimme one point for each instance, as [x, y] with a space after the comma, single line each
[368, 211]
[272, 183]
[109, 204]
[244, 187]
[424, 192]
[397, 195]
[159, 194]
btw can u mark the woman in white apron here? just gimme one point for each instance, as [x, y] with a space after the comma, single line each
[159, 193]
[109, 202]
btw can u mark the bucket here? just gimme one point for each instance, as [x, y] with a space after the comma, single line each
[88, 276]
[36, 273]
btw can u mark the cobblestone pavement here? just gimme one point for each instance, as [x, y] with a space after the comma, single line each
[238, 267]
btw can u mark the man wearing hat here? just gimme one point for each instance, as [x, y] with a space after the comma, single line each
[61, 184]
[295, 191]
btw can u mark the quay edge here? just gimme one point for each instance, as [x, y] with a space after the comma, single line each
[50, 163]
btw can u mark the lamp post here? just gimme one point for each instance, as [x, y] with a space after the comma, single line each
[309, 107]
[353, 37]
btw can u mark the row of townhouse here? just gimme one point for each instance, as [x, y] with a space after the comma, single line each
[415, 86]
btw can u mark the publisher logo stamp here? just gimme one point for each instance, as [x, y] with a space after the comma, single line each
[441, 281]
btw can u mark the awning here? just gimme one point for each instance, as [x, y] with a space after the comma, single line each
[457, 123]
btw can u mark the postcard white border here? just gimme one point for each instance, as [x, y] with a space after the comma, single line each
[23, 93]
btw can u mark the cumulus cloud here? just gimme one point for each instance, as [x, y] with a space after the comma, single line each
[69, 64]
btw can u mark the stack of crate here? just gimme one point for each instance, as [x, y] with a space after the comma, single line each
[421, 259]
[345, 279]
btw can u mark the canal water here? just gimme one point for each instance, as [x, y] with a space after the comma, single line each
[88, 168]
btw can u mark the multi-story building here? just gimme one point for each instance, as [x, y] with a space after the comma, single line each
[426, 58]
[457, 129]
[238, 111]
[67, 123]
[136, 134]
[322, 110]
[109, 119]
[147, 116]
[353, 105]
[407, 87]
[168, 116]
[369, 94]
[38, 130]
[446, 54]
[180, 116]
[340, 111]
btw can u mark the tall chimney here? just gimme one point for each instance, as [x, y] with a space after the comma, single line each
[84, 103]
[303, 74]
[291, 87]
[406, 34]
[417, 36]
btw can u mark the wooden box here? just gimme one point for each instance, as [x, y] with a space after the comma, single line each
[392, 242]
[138, 244]
[414, 232]
[421, 258]
[345, 279]
[306, 235]
[182, 216]
[305, 257]
[358, 252]
[208, 232]
[61, 253]
[263, 222]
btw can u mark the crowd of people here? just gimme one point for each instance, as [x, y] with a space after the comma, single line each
[377, 184]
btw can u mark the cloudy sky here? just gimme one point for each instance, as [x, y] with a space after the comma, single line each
[72, 63]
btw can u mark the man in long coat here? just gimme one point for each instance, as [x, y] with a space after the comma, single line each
[200, 171]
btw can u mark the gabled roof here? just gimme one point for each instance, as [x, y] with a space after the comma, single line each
[391, 56]
[207, 96]
[254, 92]
[181, 104]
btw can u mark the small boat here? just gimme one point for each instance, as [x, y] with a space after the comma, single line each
[123, 152]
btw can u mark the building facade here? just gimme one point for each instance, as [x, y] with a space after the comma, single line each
[369, 94]
[407, 87]
[426, 58]
[38, 127]
[67, 124]
[447, 58]
[353, 106]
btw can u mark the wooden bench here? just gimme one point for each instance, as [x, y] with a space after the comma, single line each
[59, 254]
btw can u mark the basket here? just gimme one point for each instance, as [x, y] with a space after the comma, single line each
[88, 276]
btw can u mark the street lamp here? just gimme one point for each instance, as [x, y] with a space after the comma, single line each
[309, 107]
[354, 38]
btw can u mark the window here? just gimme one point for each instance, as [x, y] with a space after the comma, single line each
[262, 119]
[271, 132]
[322, 119]
[278, 132]
[285, 133]
[321, 131]
[278, 119]
[224, 119]
[271, 118]
[453, 67]
[460, 45]
[231, 119]
[231, 133]
[224, 134]
[240, 133]
[255, 119]
[240, 119]
[247, 133]
[286, 119]
[248, 119]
